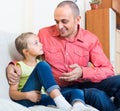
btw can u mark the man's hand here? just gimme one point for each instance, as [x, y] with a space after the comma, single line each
[13, 73]
[75, 74]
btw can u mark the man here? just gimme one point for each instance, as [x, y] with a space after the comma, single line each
[68, 49]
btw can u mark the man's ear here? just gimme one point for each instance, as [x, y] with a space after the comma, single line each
[78, 19]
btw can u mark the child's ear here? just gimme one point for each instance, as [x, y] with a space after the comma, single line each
[25, 51]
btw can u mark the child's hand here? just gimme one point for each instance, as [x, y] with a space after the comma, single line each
[34, 96]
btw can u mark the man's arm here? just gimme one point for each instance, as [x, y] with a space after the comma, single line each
[12, 73]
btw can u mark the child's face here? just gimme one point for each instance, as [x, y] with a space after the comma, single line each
[34, 46]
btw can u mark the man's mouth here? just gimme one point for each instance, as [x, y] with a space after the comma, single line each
[62, 31]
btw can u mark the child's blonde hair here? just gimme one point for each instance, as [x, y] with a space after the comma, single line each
[21, 42]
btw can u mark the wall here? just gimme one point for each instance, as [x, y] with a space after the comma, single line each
[117, 52]
[116, 5]
[10, 15]
[30, 15]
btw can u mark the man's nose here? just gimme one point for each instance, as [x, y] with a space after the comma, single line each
[60, 25]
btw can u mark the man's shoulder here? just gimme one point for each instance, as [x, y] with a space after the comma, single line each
[49, 31]
[47, 28]
[88, 34]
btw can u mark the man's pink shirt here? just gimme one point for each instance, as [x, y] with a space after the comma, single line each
[60, 53]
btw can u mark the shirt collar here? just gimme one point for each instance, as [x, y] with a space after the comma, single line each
[55, 33]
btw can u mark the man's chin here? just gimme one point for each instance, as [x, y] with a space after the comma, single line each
[63, 35]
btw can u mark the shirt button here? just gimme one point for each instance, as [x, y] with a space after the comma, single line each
[66, 53]
[66, 65]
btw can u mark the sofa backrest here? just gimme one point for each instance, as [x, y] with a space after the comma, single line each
[7, 54]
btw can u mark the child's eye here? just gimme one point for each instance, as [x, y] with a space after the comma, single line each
[36, 43]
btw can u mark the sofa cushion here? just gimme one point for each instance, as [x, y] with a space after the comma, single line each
[43, 108]
[8, 105]
[7, 53]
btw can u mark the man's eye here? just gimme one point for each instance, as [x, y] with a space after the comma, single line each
[64, 21]
[57, 22]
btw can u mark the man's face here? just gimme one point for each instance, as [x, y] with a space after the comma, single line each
[66, 22]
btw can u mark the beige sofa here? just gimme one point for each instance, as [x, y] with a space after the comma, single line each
[8, 53]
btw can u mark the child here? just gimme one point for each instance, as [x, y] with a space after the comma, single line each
[35, 74]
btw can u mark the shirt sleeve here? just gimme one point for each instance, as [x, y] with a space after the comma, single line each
[102, 68]
[12, 62]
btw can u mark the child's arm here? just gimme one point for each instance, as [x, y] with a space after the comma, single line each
[33, 96]
[15, 94]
